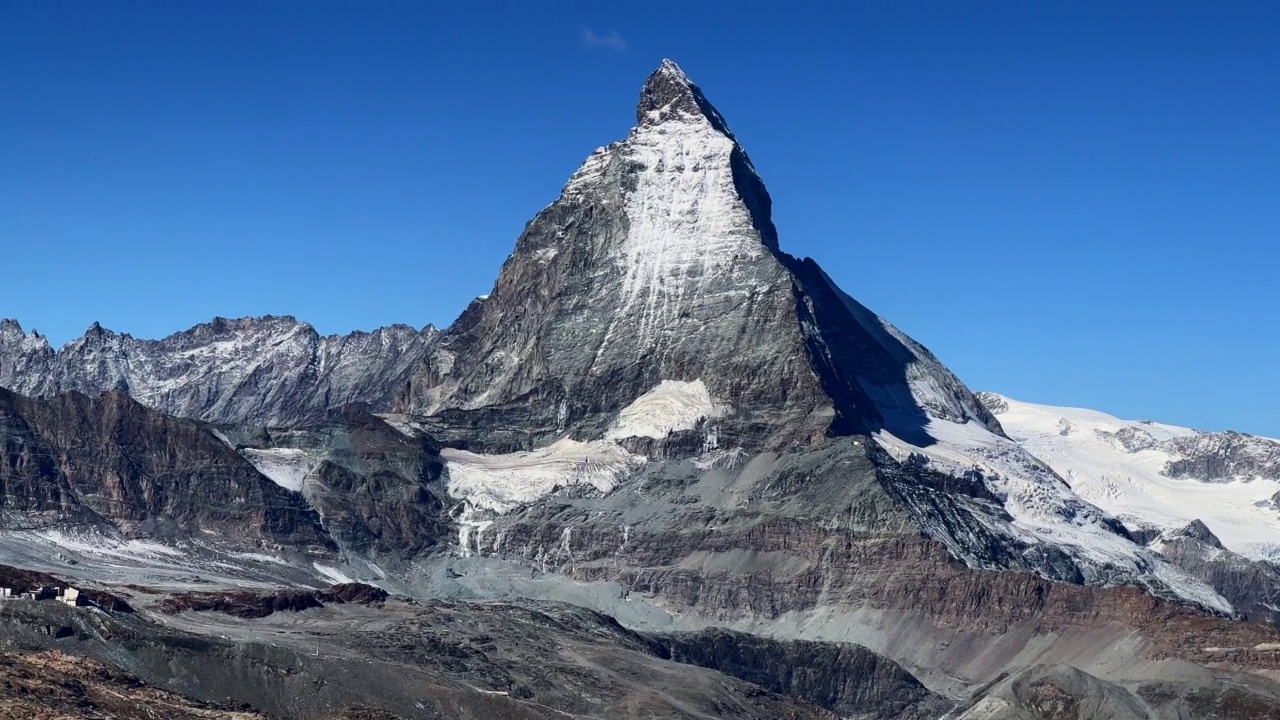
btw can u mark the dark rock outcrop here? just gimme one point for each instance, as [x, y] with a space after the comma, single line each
[259, 604]
[1252, 586]
[110, 462]
[847, 679]
[1056, 692]
[1224, 456]
[375, 487]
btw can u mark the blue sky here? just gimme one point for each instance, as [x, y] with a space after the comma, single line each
[1069, 203]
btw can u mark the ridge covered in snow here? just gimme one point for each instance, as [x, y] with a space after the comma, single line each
[1156, 476]
[268, 370]
[1045, 512]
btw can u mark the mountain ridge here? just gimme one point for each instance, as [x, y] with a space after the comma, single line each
[272, 370]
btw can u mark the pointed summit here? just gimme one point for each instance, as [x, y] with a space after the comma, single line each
[669, 94]
[658, 271]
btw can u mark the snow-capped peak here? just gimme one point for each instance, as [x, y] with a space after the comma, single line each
[669, 94]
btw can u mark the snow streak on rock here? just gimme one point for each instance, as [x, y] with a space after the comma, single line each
[287, 467]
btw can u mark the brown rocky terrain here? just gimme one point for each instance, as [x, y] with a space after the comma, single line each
[109, 461]
[258, 604]
[51, 685]
[455, 660]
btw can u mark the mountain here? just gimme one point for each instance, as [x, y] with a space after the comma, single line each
[663, 469]
[655, 396]
[268, 371]
[657, 274]
[74, 463]
[648, 314]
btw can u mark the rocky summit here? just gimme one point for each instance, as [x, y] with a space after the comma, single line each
[663, 469]
[657, 274]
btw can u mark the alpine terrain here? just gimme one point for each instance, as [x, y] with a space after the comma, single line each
[663, 469]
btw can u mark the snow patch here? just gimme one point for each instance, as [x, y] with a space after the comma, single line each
[260, 558]
[286, 467]
[670, 406]
[689, 228]
[105, 546]
[401, 424]
[1044, 509]
[499, 483]
[334, 575]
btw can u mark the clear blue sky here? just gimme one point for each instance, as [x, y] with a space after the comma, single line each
[1069, 205]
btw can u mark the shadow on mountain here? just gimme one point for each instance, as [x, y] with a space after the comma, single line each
[863, 367]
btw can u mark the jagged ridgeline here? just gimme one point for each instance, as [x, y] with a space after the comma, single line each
[267, 371]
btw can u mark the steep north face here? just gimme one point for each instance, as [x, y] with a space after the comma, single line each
[659, 263]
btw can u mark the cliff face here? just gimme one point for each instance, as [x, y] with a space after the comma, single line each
[108, 461]
[849, 680]
[268, 371]
[375, 487]
[352, 485]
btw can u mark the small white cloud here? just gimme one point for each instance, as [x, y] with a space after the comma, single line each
[592, 39]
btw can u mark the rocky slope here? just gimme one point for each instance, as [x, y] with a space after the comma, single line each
[74, 462]
[1066, 693]
[376, 488]
[441, 660]
[1252, 586]
[268, 371]
[107, 477]
[52, 685]
[847, 679]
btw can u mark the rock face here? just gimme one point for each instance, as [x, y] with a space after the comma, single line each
[1059, 692]
[1252, 586]
[52, 684]
[848, 679]
[375, 487]
[352, 485]
[659, 263]
[268, 371]
[1224, 456]
[74, 461]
